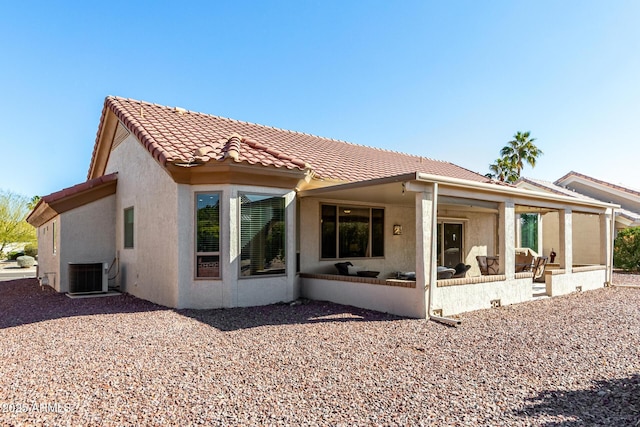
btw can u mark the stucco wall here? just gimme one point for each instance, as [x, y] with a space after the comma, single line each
[586, 239]
[87, 236]
[231, 290]
[562, 284]
[585, 236]
[387, 299]
[399, 251]
[149, 269]
[48, 260]
[479, 235]
[462, 298]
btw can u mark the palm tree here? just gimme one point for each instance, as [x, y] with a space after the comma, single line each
[520, 150]
[504, 170]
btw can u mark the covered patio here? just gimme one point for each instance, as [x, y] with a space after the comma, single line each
[419, 222]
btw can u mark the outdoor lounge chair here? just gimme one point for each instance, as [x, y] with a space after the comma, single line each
[445, 273]
[539, 266]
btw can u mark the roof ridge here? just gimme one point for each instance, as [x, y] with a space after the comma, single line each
[599, 181]
[186, 111]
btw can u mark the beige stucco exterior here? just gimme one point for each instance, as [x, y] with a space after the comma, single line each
[161, 265]
[82, 235]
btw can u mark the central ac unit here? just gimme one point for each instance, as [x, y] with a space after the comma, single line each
[88, 278]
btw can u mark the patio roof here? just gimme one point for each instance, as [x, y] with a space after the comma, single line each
[477, 195]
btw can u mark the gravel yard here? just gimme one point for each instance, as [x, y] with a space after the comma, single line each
[570, 361]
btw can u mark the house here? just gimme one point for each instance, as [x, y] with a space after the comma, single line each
[199, 211]
[582, 186]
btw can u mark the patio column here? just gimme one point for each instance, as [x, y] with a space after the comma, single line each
[426, 217]
[606, 243]
[566, 240]
[507, 240]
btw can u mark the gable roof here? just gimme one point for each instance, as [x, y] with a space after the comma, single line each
[568, 178]
[631, 216]
[178, 136]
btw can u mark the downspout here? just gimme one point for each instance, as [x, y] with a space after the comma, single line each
[612, 230]
[433, 273]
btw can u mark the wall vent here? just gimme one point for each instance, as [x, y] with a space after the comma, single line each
[495, 303]
[578, 288]
[88, 278]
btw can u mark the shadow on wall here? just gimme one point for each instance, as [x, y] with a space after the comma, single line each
[614, 402]
[23, 301]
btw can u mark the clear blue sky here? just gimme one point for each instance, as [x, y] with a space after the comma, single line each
[450, 80]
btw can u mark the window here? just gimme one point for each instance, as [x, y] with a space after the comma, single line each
[450, 248]
[128, 228]
[53, 233]
[262, 234]
[352, 232]
[529, 231]
[207, 235]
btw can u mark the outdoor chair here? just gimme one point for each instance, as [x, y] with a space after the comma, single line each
[489, 265]
[461, 270]
[538, 269]
[445, 273]
[482, 263]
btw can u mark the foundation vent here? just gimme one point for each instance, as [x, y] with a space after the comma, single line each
[495, 303]
[578, 288]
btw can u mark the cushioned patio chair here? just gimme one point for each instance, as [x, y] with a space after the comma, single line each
[445, 273]
[461, 270]
[539, 266]
[482, 263]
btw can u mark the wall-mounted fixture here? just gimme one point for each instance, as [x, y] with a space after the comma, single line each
[397, 229]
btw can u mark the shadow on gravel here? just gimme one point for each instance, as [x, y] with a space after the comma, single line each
[613, 402]
[231, 319]
[22, 302]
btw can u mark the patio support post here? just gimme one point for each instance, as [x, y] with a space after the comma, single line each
[606, 243]
[566, 240]
[426, 215]
[507, 241]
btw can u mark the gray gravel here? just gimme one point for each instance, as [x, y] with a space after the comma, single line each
[569, 361]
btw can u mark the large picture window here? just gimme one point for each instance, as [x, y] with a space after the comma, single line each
[262, 234]
[207, 235]
[352, 232]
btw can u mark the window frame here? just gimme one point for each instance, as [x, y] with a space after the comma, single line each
[124, 226]
[197, 253]
[462, 222]
[285, 219]
[338, 207]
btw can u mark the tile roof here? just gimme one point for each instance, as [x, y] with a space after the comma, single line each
[597, 181]
[175, 135]
[79, 188]
[555, 188]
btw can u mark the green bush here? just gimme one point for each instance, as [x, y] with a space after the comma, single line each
[31, 250]
[26, 261]
[626, 250]
[14, 255]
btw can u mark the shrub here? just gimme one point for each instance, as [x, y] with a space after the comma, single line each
[31, 250]
[26, 261]
[15, 254]
[626, 250]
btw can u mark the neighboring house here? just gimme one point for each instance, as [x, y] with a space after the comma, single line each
[193, 210]
[581, 186]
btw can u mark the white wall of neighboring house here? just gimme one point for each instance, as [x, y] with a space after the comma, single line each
[148, 270]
